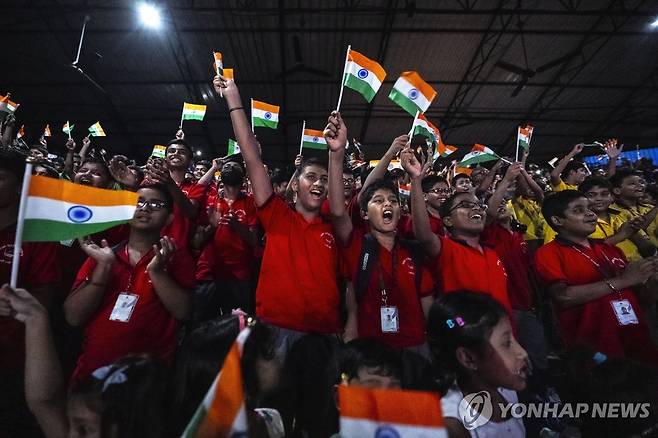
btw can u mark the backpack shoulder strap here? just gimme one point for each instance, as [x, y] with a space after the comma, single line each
[368, 257]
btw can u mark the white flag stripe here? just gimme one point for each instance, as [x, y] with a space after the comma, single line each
[357, 428]
[405, 87]
[312, 139]
[50, 209]
[260, 114]
[372, 79]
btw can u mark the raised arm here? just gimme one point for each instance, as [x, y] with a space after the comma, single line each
[612, 151]
[532, 184]
[496, 199]
[260, 181]
[421, 221]
[559, 167]
[489, 178]
[208, 177]
[8, 133]
[336, 135]
[380, 169]
[45, 391]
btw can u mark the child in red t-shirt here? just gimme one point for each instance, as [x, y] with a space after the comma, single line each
[297, 289]
[594, 288]
[463, 263]
[391, 307]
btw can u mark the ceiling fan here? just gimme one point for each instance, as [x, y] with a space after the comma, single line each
[75, 65]
[299, 65]
[526, 73]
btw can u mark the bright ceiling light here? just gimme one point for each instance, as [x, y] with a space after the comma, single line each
[655, 23]
[149, 15]
[199, 153]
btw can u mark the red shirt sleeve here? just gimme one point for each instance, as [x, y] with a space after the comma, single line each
[426, 283]
[272, 211]
[84, 273]
[43, 266]
[252, 212]
[548, 263]
[196, 192]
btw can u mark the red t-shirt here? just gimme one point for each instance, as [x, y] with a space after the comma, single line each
[462, 267]
[406, 226]
[594, 323]
[38, 267]
[401, 293]
[513, 252]
[151, 328]
[182, 227]
[233, 257]
[297, 287]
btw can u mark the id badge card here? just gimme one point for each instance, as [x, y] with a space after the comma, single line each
[624, 312]
[389, 319]
[124, 307]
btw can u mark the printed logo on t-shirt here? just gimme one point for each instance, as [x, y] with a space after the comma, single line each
[328, 240]
[7, 253]
[618, 263]
[409, 264]
[241, 215]
[502, 268]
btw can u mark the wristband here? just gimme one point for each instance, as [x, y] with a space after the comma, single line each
[235, 109]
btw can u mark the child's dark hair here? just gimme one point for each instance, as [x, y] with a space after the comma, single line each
[572, 166]
[181, 143]
[430, 181]
[98, 162]
[460, 319]
[555, 204]
[369, 191]
[129, 395]
[279, 176]
[594, 181]
[313, 161]
[618, 178]
[203, 163]
[372, 354]
[458, 177]
[166, 196]
[199, 360]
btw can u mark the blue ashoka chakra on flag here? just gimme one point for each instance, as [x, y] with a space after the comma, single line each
[79, 214]
[386, 432]
[362, 73]
[268, 115]
[413, 94]
[315, 139]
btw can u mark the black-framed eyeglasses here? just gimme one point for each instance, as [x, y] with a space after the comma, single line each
[153, 205]
[348, 181]
[469, 205]
[440, 191]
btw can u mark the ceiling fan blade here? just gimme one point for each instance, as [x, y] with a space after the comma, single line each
[556, 62]
[519, 87]
[511, 68]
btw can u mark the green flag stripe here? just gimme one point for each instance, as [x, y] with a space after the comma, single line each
[479, 159]
[193, 116]
[407, 104]
[312, 145]
[44, 230]
[265, 123]
[360, 86]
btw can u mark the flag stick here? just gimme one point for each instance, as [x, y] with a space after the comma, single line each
[252, 115]
[69, 126]
[411, 131]
[301, 140]
[18, 240]
[342, 78]
[516, 157]
[221, 94]
[182, 114]
[504, 160]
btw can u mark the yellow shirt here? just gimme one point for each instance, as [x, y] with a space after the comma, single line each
[628, 213]
[528, 212]
[563, 186]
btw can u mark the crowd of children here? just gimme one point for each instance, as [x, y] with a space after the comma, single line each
[514, 280]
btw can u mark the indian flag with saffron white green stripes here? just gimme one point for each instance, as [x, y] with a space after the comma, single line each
[60, 210]
[479, 154]
[363, 75]
[366, 412]
[96, 130]
[412, 93]
[424, 127]
[222, 412]
[7, 105]
[233, 147]
[193, 112]
[313, 139]
[265, 115]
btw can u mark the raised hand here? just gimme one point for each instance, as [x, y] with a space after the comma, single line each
[157, 171]
[298, 160]
[21, 305]
[103, 254]
[180, 135]
[225, 88]
[86, 142]
[162, 255]
[611, 149]
[410, 163]
[577, 149]
[513, 171]
[398, 144]
[121, 173]
[336, 132]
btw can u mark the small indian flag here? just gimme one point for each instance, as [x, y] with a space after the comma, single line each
[7, 105]
[313, 139]
[21, 132]
[363, 75]
[46, 131]
[479, 154]
[219, 66]
[405, 189]
[465, 170]
[366, 412]
[159, 151]
[60, 210]
[424, 127]
[233, 147]
[524, 135]
[222, 413]
[412, 93]
[263, 114]
[393, 164]
[96, 130]
[193, 112]
[67, 128]
[443, 150]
